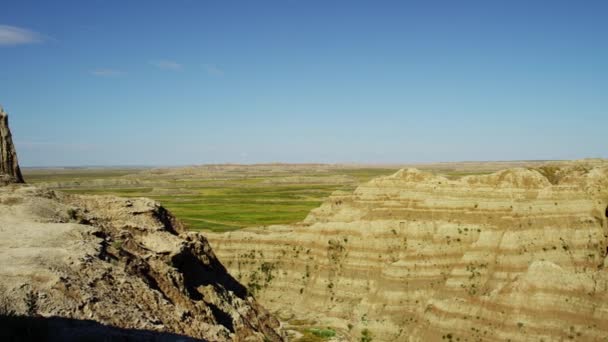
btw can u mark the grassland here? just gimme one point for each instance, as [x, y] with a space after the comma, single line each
[229, 197]
[218, 198]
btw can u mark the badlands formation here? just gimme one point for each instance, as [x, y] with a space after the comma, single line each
[102, 268]
[519, 254]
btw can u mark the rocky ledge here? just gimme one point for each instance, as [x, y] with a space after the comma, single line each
[125, 264]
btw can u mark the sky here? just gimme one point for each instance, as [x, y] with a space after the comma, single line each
[183, 82]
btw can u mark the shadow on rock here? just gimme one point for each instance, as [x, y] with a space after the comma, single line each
[26, 328]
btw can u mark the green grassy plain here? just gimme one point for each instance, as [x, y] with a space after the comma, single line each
[217, 198]
[228, 197]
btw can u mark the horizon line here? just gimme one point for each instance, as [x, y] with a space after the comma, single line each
[135, 166]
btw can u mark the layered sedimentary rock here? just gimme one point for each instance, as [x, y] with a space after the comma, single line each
[9, 166]
[125, 263]
[519, 254]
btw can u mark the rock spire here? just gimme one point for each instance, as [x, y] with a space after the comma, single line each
[9, 166]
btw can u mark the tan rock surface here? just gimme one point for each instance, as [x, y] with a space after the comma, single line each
[120, 262]
[519, 254]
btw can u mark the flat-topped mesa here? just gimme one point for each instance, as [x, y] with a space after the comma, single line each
[9, 166]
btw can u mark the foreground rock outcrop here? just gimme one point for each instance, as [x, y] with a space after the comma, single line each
[102, 268]
[519, 254]
[121, 262]
[9, 166]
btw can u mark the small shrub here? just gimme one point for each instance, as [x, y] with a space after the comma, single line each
[72, 213]
[366, 335]
[323, 333]
[267, 268]
[31, 303]
[117, 244]
[5, 309]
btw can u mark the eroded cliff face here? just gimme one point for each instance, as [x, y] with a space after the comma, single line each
[519, 254]
[121, 262]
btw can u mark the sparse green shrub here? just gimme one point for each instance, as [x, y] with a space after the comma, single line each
[366, 335]
[323, 333]
[72, 214]
[253, 288]
[117, 244]
[267, 268]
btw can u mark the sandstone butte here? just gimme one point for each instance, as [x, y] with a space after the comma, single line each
[103, 268]
[520, 255]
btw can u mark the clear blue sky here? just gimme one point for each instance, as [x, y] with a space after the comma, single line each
[190, 82]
